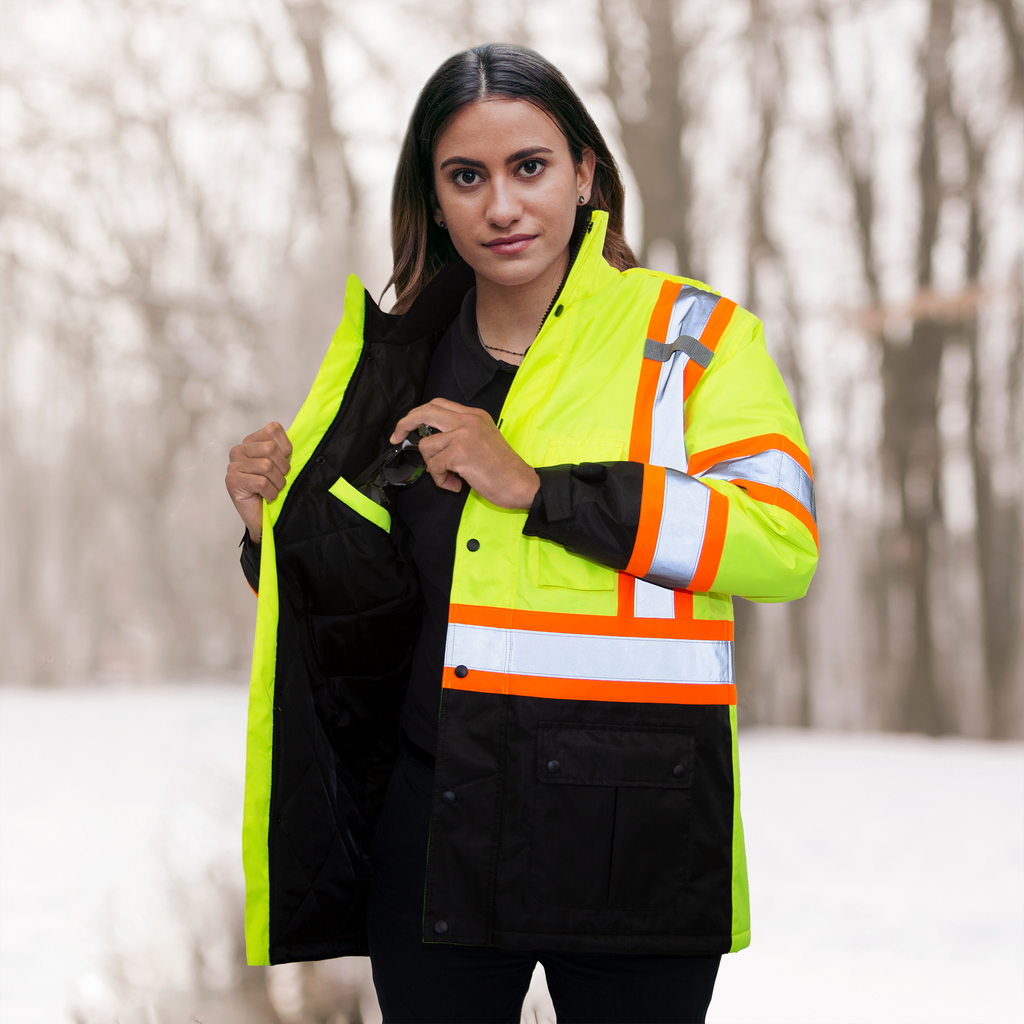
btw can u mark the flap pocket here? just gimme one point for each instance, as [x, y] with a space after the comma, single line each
[360, 503]
[552, 565]
[608, 755]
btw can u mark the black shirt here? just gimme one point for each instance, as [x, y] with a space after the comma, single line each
[462, 371]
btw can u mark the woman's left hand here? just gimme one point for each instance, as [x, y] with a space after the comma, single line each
[470, 448]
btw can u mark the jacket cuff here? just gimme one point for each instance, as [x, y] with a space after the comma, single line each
[250, 560]
[591, 509]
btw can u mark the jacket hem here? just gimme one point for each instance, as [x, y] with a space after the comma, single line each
[353, 946]
[633, 944]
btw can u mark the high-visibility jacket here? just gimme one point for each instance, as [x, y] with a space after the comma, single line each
[586, 790]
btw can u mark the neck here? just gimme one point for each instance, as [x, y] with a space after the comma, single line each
[510, 317]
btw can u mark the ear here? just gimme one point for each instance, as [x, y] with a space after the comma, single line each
[438, 216]
[585, 174]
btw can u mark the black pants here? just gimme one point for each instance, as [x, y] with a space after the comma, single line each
[419, 983]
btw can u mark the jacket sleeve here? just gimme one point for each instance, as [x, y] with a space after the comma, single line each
[740, 520]
[250, 562]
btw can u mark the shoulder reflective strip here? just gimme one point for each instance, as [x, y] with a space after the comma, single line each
[714, 541]
[685, 344]
[701, 461]
[696, 315]
[653, 602]
[650, 371]
[580, 656]
[684, 626]
[773, 468]
[668, 439]
[719, 320]
[651, 509]
[681, 531]
[554, 688]
[690, 313]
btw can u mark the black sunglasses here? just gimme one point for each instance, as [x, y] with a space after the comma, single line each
[399, 466]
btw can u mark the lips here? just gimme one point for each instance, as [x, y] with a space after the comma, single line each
[511, 245]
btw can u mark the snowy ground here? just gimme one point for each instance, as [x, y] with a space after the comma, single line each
[887, 872]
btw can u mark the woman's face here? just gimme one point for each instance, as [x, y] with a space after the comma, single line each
[507, 188]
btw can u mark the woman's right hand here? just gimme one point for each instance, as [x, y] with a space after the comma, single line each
[256, 471]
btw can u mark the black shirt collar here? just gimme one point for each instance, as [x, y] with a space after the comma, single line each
[472, 365]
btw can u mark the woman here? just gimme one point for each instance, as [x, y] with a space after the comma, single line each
[514, 675]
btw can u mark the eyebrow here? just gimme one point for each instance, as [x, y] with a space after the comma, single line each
[521, 154]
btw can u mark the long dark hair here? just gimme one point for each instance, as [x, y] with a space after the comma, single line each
[420, 247]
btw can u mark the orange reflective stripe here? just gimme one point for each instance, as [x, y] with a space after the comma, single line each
[477, 681]
[710, 337]
[700, 461]
[650, 371]
[652, 499]
[781, 499]
[683, 627]
[714, 541]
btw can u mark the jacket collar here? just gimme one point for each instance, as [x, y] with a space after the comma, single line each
[441, 301]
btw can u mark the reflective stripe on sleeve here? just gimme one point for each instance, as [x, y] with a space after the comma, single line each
[774, 469]
[684, 516]
[520, 652]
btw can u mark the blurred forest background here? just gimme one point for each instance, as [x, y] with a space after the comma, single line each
[184, 187]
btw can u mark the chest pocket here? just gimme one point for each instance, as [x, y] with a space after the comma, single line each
[552, 565]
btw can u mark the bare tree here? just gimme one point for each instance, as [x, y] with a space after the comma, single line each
[644, 54]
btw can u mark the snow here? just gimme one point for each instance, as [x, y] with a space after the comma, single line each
[886, 872]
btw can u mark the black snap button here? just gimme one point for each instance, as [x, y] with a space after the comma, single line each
[461, 671]
[448, 796]
[559, 309]
[679, 771]
[554, 767]
[441, 927]
[473, 544]
[320, 460]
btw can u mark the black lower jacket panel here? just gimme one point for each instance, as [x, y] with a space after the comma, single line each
[581, 825]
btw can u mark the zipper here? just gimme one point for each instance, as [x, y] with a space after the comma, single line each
[568, 270]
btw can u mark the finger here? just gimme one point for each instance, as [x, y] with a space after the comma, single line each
[244, 453]
[240, 477]
[249, 485]
[451, 482]
[266, 468]
[280, 436]
[271, 432]
[438, 413]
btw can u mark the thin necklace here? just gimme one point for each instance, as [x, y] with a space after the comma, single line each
[494, 348]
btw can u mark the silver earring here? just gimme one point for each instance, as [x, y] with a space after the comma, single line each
[443, 226]
[582, 200]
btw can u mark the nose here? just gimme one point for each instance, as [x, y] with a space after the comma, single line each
[504, 207]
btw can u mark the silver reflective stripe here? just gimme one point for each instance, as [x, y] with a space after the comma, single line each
[684, 516]
[774, 468]
[689, 317]
[530, 652]
[684, 343]
[668, 440]
[653, 602]
[697, 314]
